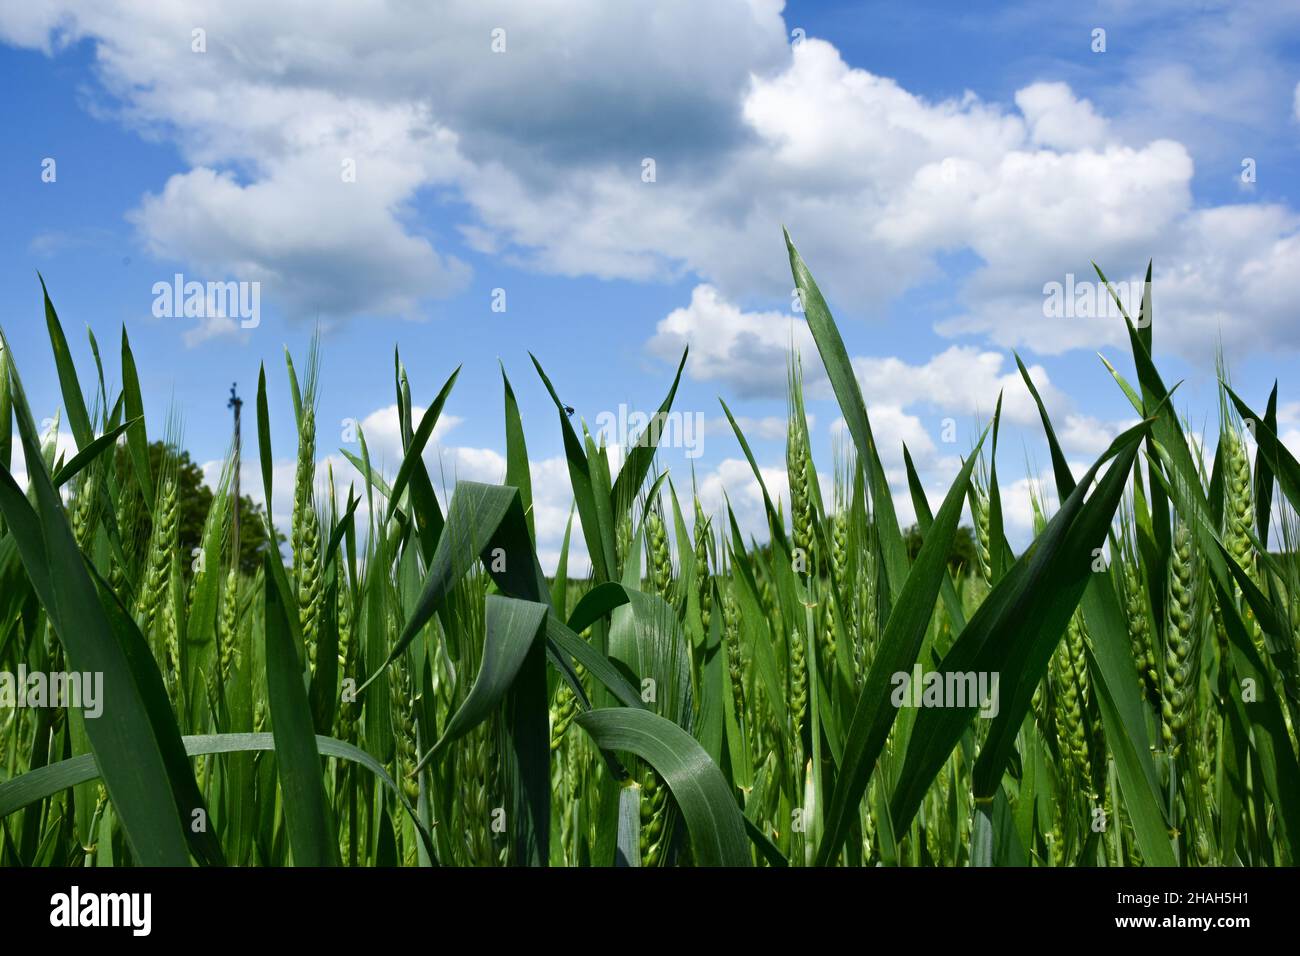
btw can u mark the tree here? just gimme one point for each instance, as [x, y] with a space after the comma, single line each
[195, 500]
[961, 556]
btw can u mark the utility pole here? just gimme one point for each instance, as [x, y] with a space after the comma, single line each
[236, 403]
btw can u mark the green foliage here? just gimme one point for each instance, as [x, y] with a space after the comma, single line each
[194, 499]
[963, 557]
[410, 688]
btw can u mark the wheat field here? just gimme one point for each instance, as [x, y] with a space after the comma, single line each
[407, 687]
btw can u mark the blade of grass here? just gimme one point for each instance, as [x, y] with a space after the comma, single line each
[632, 475]
[1014, 632]
[421, 437]
[849, 395]
[137, 440]
[905, 631]
[518, 474]
[512, 629]
[601, 552]
[73, 399]
[297, 762]
[88, 454]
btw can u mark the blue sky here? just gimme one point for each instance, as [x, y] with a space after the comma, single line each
[937, 167]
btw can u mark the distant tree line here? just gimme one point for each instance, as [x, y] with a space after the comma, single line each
[194, 500]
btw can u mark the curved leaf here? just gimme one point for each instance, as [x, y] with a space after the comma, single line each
[418, 441]
[512, 627]
[713, 820]
[73, 399]
[480, 520]
[563, 641]
[848, 394]
[518, 472]
[137, 440]
[642, 453]
[35, 785]
[597, 603]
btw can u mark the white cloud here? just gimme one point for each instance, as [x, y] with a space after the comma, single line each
[961, 379]
[893, 428]
[1059, 121]
[1291, 439]
[471, 464]
[65, 447]
[1237, 281]
[446, 463]
[382, 430]
[305, 234]
[544, 145]
[1018, 503]
[749, 351]
[411, 98]
[733, 481]
[1088, 436]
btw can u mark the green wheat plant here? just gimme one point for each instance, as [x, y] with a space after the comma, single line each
[402, 685]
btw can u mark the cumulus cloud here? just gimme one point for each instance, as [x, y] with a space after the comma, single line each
[304, 235]
[749, 351]
[961, 379]
[1018, 498]
[309, 153]
[309, 149]
[1087, 436]
[1058, 120]
[893, 428]
[382, 429]
[732, 482]
[212, 326]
